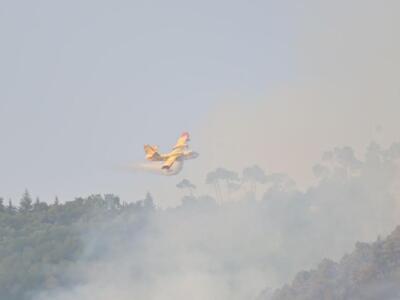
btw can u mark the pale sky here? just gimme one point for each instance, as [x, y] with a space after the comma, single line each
[84, 84]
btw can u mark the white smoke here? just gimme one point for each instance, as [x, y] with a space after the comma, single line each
[202, 250]
[155, 167]
[349, 85]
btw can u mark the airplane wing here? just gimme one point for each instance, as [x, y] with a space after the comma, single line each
[182, 141]
[152, 153]
[169, 162]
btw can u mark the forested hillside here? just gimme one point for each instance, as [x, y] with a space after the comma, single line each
[372, 272]
[254, 233]
[39, 243]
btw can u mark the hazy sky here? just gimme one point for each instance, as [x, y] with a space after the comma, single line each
[84, 84]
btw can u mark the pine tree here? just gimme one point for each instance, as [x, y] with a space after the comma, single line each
[36, 204]
[56, 202]
[10, 208]
[2, 208]
[186, 184]
[112, 201]
[39, 206]
[25, 204]
[148, 202]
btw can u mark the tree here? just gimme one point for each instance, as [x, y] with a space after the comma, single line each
[186, 184]
[230, 178]
[25, 204]
[10, 208]
[254, 175]
[36, 204]
[213, 180]
[148, 202]
[2, 207]
[39, 206]
[112, 201]
[280, 181]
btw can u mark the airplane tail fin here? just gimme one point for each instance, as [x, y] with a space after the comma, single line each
[152, 153]
[182, 141]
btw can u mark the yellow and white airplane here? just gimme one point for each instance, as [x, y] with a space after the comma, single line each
[179, 153]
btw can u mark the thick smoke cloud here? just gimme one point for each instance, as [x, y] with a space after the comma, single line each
[343, 90]
[346, 85]
[155, 167]
[235, 249]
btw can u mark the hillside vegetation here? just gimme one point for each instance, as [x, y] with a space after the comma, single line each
[372, 271]
[254, 233]
[40, 243]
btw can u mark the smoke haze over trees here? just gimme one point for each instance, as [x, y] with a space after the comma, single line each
[233, 247]
[372, 272]
[264, 87]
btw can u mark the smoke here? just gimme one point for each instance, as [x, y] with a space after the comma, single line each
[233, 250]
[343, 87]
[346, 86]
[155, 167]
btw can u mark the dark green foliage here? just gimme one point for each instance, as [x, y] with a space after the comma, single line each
[39, 206]
[25, 204]
[40, 242]
[372, 271]
[10, 208]
[2, 207]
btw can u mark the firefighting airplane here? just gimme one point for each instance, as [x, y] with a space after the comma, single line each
[172, 162]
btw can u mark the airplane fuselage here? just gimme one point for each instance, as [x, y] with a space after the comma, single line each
[180, 154]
